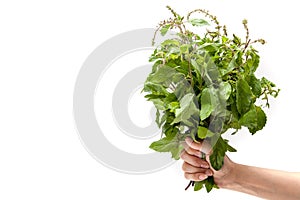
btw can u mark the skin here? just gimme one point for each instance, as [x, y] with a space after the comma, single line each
[260, 182]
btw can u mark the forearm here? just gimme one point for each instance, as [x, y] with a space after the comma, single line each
[263, 183]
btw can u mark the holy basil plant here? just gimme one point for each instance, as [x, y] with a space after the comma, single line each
[203, 84]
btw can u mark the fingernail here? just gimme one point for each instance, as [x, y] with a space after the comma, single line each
[205, 165]
[208, 173]
[203, 177]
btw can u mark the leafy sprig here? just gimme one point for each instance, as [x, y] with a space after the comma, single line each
[203, 85]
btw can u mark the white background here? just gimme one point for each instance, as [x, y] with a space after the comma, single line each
[42, 47]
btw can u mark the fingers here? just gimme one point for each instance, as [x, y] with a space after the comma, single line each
[191, 172]
[187, 168]
[195, 176]
[200, 146]
[195, 173]
[191, 151]
[189, 141]
[194, 167]
[194, 160]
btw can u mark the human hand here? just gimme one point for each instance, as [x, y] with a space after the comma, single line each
[197, 169]
[260, 182]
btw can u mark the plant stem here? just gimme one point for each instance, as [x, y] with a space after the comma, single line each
[190, 183]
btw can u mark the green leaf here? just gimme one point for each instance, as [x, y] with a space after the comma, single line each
[210, 47]
[232, 64]
[165, 29]
[204, 132]
[197, 68]
[170, 42]
[168, 130]
[253, 61]
[255, 85]
[173, 106]
[206, 104]
[159, 104]
[266, 82]
[198, 22]
[219, 150]
[198, 185]
[229, 63]
[234, 122]
[225, 90]
[224, 39]
[167, 145]
[210, 184]
[184, 49]
[158, 118]
[154, 96]
[230, 148]
[255, 119]
[261, 118]
[243, 96]
[164, 76]
[187, 109]
[212, 74]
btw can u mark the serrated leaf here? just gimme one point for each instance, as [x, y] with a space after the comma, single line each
[253, 62]
[261, 118]
[255, 119]
[162, 80]
[243, 96]
[167, 145]
[255, 85]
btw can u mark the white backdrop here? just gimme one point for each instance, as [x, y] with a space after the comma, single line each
[42, 47]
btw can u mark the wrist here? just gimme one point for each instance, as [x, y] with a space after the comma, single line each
[228, 177]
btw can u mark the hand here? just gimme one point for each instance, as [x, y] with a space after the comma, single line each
[197, 169]
[260, 182]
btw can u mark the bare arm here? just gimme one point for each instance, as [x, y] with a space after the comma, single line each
[264, 183]
[260, 182]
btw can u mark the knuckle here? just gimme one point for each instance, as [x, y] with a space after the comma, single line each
[192, 151]
[198, 162]
[184, 167]
[183, 155]
[187, 176]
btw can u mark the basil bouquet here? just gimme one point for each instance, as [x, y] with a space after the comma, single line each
[204, 84]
